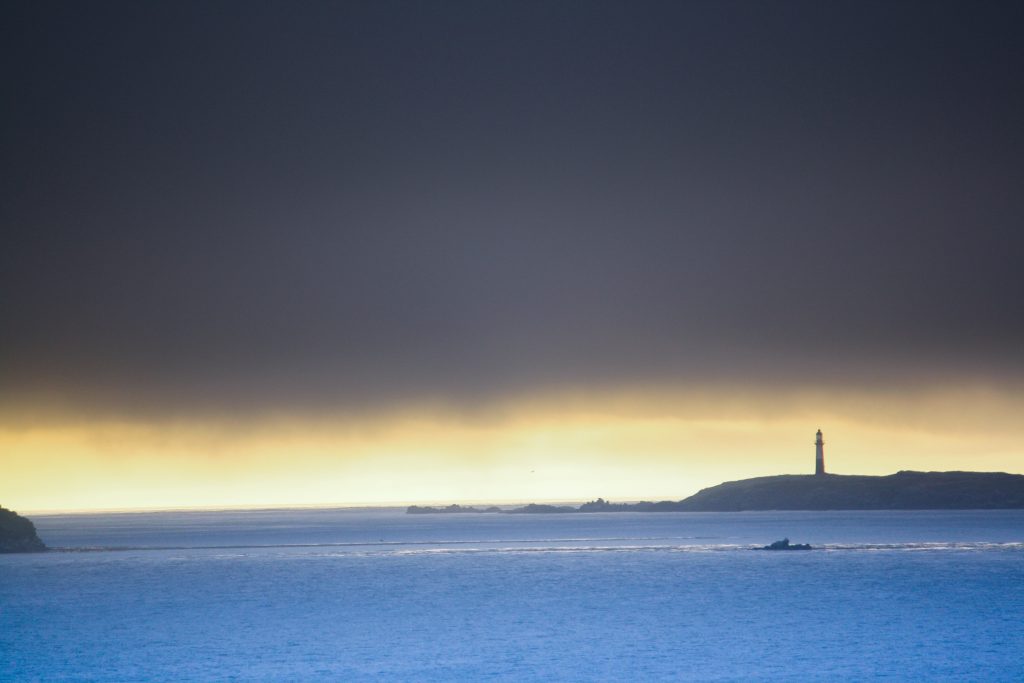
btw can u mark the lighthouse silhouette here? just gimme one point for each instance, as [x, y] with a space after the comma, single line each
[819, 455]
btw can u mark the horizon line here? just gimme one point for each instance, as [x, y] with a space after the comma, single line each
[384, 505]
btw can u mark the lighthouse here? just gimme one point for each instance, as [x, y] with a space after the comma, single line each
[819, 454]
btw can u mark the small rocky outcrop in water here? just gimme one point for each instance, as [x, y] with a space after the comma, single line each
[17, 534]
[535, 509]
[451, 509]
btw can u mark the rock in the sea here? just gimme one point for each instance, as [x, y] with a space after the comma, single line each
[17, 534]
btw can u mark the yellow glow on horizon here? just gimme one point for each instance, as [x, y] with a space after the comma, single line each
[626, 445]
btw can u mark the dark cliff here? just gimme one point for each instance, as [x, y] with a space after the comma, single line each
[900, 491]
[17, 534]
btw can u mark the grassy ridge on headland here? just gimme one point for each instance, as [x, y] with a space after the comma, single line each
[900, 491]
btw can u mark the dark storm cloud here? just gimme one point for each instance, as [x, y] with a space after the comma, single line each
[216, 201]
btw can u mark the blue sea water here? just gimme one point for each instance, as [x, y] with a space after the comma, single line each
[367, 595]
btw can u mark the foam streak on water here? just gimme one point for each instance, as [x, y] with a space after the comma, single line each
[379, 595]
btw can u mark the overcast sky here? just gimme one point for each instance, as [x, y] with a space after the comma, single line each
[334, 203]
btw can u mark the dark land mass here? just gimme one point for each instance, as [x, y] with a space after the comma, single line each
[900, 491]
[17, 534]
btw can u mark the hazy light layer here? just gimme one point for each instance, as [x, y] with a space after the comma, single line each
[627, 445]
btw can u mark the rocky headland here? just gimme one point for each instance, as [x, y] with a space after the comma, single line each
[18, 534]
[901, 491]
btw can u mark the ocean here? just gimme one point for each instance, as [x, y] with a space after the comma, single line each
[371, 595]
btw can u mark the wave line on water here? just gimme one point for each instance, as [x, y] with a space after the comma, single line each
[359, 544]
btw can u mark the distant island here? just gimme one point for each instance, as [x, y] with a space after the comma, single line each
[450, 509]
[904, 490]
[17, 534]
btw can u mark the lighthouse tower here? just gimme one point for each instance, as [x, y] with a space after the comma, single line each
[819, 454]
